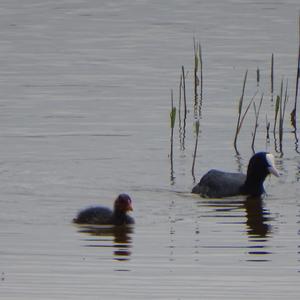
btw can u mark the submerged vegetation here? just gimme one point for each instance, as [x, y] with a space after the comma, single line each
[276, 108]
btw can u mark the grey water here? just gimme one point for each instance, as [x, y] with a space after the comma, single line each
[84, 115]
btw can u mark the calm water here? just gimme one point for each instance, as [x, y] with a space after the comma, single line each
[84, 115]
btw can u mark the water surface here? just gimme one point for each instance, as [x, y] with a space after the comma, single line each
[84, 115]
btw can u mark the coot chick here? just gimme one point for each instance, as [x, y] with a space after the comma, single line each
[105, 216]
[219, 184]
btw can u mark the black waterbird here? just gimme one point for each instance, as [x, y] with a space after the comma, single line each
[101, 215]
[219, 184]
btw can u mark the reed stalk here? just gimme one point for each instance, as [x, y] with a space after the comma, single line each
[172, 123]
[282, 115]
[280, 125]
[294, 111]
[256, 112]
[277, 107]
[278, 112]
[272, 77]
[196, 78]
[197, 126]
[179, 93]
[201, 80]
[241, 116]
[184, 91]
[240, 112]
[183, 76]
[181, 139]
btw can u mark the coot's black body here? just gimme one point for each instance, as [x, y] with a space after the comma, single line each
[219, 184]
[102, 216]
[105, 216]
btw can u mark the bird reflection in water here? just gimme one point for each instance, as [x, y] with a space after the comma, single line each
[257, 221]
[257, 217]
[258, 228]
[117, 237]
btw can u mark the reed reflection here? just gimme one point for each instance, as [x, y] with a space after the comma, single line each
[117, 237]
[296, 142]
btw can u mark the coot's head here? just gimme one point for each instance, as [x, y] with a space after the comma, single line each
[262, 164]
[123, 203]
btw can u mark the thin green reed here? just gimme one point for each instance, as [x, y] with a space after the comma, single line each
[201, 79]
[197, 126]
[256, 112]
[241, 116]
[196, 78]
[182, 87]
[181, 138]
[240, 112]
[277, 105]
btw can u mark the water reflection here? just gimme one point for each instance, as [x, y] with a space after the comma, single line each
[117, 237]
[296, 142]
[258, 229]
[256, 216]
[298, 172]
[239, 161]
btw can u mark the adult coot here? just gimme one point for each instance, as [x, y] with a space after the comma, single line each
[105, 216]
[218, 184]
